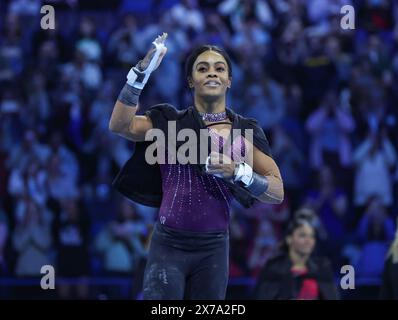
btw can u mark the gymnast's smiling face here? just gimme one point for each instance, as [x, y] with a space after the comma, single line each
[210, 75]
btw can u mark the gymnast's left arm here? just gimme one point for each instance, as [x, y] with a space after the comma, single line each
[266, 178]
[260, 175]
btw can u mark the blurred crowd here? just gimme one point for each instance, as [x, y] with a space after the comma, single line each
[325, 97]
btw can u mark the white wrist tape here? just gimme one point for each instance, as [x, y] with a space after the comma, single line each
[137, 78]
[244, 174]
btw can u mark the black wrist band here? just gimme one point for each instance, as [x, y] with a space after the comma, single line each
[258, 185]
[129, 95]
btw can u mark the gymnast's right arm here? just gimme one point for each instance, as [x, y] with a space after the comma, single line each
[124, 120]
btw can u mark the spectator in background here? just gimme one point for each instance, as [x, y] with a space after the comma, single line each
[61, 185]
[341, 59]
[320, 11]
[122, 45]
[32, 240]
[264, 99]
[189, 17]
[389, 286]
[330, 201]
[30, 148]
[289, 50]
[25, 7]
[375, 232]
[239, 231]
[49, 57]
[32, 182]
[330, 127]
[68, 161]
[238, 11]
[316, 72]
[295, 273]
[120, 244]
[216, 31]
[70, 232]
[374, 159]
[38, 106]
[291, 163]
[11, 49]
[82, 70]
[264, 246]
[251, 40]
[87, 42]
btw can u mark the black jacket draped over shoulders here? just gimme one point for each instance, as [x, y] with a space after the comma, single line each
[142, 183]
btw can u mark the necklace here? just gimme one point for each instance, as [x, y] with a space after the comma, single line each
[213, 117]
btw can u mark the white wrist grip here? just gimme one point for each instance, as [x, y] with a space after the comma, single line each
[244, 174]
[137, 78]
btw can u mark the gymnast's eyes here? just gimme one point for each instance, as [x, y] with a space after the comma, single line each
[204, 69]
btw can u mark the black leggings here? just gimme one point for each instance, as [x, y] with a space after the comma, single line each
[186, 265]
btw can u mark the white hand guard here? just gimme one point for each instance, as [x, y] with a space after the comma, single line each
[137, 78]
[244, 173]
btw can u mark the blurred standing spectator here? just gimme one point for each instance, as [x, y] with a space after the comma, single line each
[375, 232]
[25, 7]
[38, 105]
[264, 99]
[122, 45]
[87, 42]
[68, 161]
[251, 40]
[341, 59]
[330, 128]
[374, 159]
[316, 72]
[239, 231]
[216, 32]
[189, 17]
[238, 11]
[11, 49]
[32, 240]
[61, 185]
[31, 182]
[71, 236]
[29, 149]
[320, 11]
[120, 244]
[264, 244]
[291, 161]
[331, 202]
[82, 70]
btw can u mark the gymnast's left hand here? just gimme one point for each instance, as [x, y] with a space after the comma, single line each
[220, 165]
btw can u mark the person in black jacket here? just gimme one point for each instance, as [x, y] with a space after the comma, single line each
[295, 274]
[389, 286]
